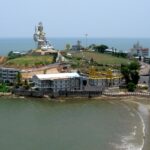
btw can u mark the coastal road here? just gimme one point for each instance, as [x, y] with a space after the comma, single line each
[145, 68]
[42, 68]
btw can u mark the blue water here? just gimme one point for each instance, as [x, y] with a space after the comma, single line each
[24, 44]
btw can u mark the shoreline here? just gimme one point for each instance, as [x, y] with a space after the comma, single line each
[142, 107]
[105, 95]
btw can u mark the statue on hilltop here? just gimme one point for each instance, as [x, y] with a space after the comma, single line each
[40, 38]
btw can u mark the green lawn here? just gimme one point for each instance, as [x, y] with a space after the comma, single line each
[29, 61]
[101, 58]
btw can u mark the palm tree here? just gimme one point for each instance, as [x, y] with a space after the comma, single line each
[18, 78]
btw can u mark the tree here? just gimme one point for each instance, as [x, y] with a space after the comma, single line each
[3, 87]
[125, 72]
[68, 47]
[91, 60]
[18, 78]
[140, 58]
[131, 87]
[135, 77]
[101, 48]
[12, 55]
[26, 84]
[45, 71]
[131, 74]
[134, 65]
[92, 46]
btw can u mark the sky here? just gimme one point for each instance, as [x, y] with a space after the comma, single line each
[75, 18]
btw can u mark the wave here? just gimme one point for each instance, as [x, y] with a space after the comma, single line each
[128, 141]
[143, 124]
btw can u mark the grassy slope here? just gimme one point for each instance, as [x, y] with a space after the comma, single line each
[101, 58]
[29, 61]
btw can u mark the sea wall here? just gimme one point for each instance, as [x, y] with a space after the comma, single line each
[147, 94]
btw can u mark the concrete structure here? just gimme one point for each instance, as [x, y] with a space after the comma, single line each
[146, 60]
[8, 75]
[149, 82]
[58, 82]
[138, 50]
[62, 82]
[60, 58]
[145, 52]
[105, 82]
[77, 47]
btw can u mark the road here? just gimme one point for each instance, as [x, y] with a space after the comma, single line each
[55, 65]
[145, 68]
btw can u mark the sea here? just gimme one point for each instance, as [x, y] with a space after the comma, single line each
[25, 44]
[37, 124]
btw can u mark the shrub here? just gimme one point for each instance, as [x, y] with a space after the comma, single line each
[131, 87]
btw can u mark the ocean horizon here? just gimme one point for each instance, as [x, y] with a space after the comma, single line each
[59, 43]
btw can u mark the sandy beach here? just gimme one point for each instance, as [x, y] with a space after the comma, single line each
[142, 105]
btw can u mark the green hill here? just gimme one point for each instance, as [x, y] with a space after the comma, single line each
[29, 61]
[101, 58]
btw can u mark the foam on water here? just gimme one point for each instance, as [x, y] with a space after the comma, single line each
[127, 141]
[143, 125]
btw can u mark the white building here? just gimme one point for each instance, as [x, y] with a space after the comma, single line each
[138, 50]
[8, 75]
[145, 52]
[58, 82]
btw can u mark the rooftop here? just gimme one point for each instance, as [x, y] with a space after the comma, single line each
[13, 69]
[57, 76]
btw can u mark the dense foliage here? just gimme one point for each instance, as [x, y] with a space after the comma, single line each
[131, 87]
[101, 48]
[12, 55]
[4, 87]
[131, 74]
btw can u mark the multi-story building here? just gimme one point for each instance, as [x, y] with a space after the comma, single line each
[146, 57]
[115, 82]
[77, 47]
[71, 82]
[138, 50]
[146, 60]
[145, 52]
[58, 82]
[8, 75]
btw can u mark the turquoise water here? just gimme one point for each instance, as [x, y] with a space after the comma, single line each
[78, 125]
[24, 44]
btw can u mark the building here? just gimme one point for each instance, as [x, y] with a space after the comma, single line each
[138, 50]
[58, 82]
[146, 57]
[146, 60]
[145, 52]
[105, 82]
[8, 75]
[77, 47]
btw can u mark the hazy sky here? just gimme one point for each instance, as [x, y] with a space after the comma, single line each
[74, 18]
